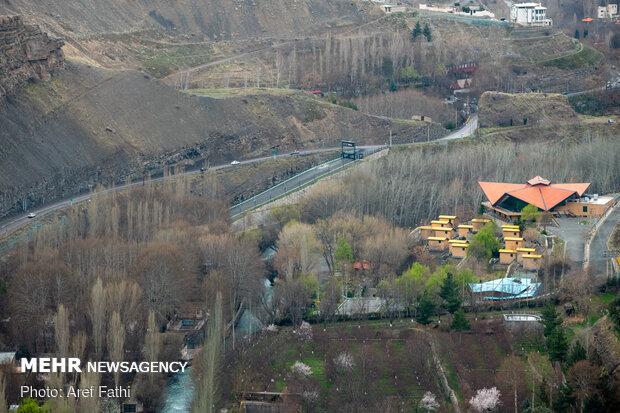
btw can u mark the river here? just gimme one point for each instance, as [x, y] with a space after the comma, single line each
[179, 393]
[180, 388]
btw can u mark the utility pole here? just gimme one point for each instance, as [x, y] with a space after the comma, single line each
[390, 138]
[428, 132]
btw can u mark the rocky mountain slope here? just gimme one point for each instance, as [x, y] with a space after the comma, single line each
[26, 54]
[90, 125]
[218, 19]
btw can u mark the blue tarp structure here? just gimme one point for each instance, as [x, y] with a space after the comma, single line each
[510, 288]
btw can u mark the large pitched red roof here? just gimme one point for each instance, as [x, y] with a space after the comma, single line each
[537, 191]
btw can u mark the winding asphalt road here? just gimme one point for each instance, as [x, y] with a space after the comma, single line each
[14, 223]
[599, 256]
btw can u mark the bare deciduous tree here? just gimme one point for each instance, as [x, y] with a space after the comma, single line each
[116, 342]
[97, 313]
[62, 332]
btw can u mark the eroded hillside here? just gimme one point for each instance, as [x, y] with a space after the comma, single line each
[217, 19]
[92, 125]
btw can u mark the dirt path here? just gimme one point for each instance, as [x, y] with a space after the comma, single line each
[441, 372]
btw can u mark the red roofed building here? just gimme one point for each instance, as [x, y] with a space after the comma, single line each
[509, 199]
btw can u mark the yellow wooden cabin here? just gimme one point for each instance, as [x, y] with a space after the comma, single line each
[511, 231]
[465, 230]
[506, 256]
[437, 243]
[531, 261]
[444, 223]
[523, 251]
[453, 219]
[512, 243]
[458, 248]
[442, 232]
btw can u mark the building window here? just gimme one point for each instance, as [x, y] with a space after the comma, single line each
[585, 208]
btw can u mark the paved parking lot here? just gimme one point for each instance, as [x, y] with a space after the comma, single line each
[573, 231]
[599, 259]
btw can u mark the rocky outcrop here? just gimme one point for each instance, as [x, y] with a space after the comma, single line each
[26, 54]
[524, 109]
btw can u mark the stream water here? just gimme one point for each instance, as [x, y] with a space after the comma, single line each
[180, 388]
[179, 393]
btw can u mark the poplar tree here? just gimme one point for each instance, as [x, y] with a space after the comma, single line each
[207, 394]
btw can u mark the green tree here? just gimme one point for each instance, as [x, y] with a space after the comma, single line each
[450, 294]
[459, 321]
[565, 399]
[427, 32]
[409, 285]
[530, 213]
[416, 31]
[426, 308]
[409, 74]
[484, 245]
[557, 345]
[550, 319]
[31, 406]
[577, 353]
[344, 252]
[614, 312]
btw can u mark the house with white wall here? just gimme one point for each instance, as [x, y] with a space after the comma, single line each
[607, 12]
[529, 14]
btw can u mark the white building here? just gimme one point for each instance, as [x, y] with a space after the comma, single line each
[529, 14]
[394, 8]
[607, 12]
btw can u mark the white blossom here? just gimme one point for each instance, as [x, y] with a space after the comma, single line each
[301, 368]
[271, 328]
[429, 402]
[485, 400]
[311, 396]
[304, 331]
[344, 361]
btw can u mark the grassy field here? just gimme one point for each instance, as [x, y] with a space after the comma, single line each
[583, 56]
[162, 60]
[392, 364]
[383, 367]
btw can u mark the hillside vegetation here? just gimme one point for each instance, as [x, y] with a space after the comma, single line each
[412, 185]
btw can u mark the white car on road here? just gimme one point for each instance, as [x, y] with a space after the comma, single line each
[234, 163]
[31, 215]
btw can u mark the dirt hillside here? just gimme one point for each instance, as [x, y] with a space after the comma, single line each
[505, 109]
[218, 19]
[90, 125]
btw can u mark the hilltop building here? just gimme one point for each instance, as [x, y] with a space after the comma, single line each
[508, 199]
[529, 14]
[609, 11]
